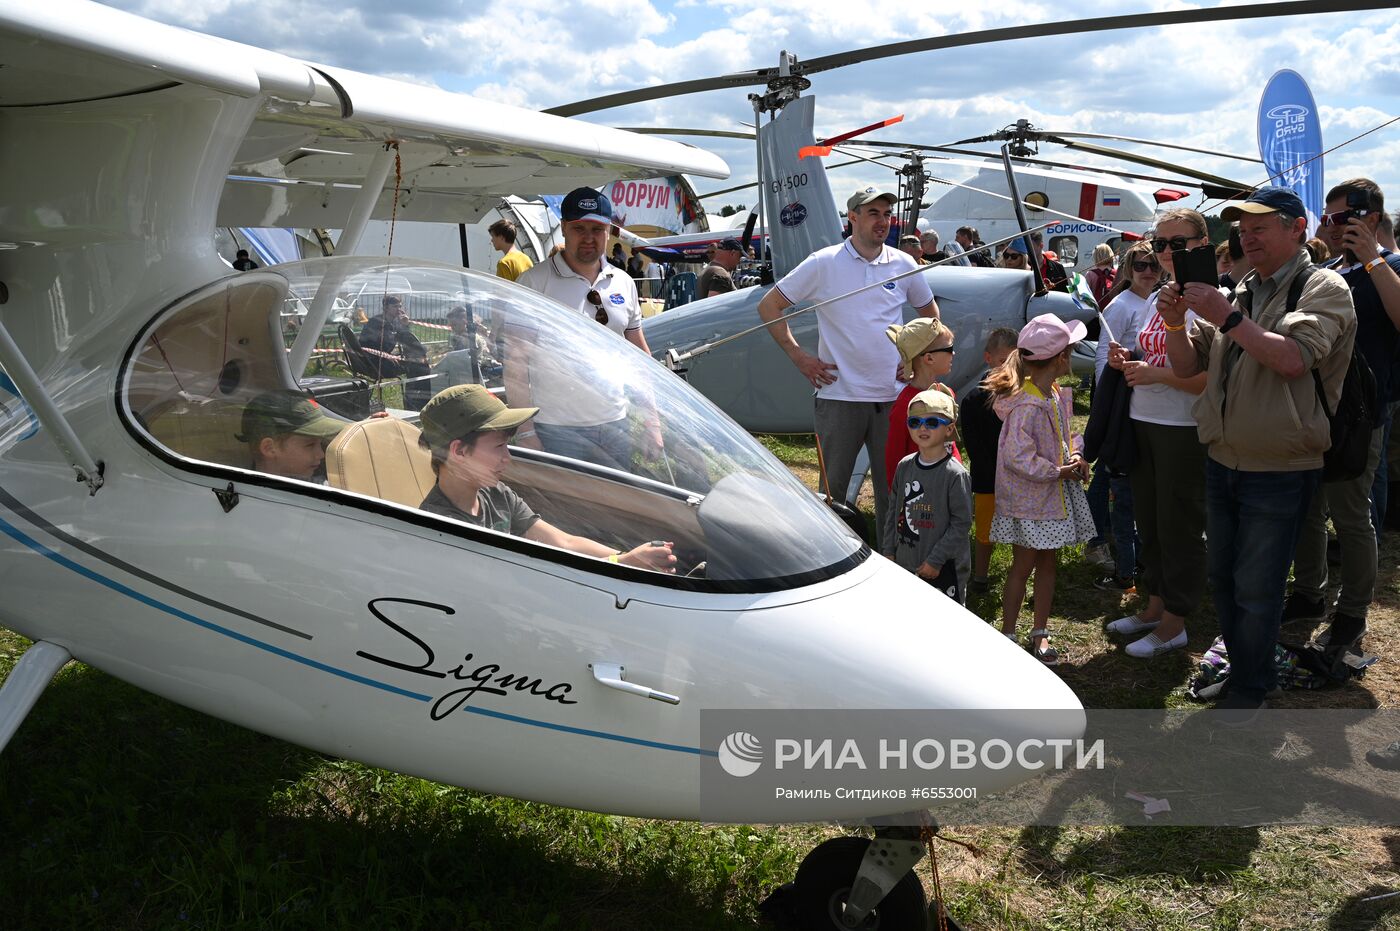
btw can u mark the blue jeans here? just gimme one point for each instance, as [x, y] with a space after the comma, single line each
[608, 444]
[1252, 524]
[1118, 520]
[1380, 485]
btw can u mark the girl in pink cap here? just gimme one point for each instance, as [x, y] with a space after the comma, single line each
[1040, 503]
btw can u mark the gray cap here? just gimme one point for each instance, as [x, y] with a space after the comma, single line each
[868, 195]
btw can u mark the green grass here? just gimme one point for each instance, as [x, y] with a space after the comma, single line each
[121, 810]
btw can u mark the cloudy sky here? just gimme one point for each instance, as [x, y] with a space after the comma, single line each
[1194, 85]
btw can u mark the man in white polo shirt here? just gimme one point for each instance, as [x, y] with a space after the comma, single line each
[584, 420]
[854, 370]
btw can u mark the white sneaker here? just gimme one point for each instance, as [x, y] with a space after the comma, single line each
[1099, 556]
[1132, 624]
[1152, 645]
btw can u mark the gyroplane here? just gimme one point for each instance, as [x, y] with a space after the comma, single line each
[140, 539]
[748, 377]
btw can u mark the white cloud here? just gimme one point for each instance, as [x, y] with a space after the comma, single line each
[1196, 85]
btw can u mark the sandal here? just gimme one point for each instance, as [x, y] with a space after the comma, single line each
[1046, 654]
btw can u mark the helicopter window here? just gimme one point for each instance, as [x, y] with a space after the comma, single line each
[643, 456]
[1067, 248]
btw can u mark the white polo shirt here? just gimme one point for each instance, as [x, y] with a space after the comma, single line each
[562, 398]
[851, 332]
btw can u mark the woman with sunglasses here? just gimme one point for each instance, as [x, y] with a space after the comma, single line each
[1168, 475]
[1013, 256]
[1139, 275]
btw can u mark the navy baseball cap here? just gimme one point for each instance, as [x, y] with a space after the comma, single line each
[1267, 200]
[730, 245]
[584, 203]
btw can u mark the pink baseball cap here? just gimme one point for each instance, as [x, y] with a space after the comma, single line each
[1047, 336]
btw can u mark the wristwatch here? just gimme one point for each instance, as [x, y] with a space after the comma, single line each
[1232, 321]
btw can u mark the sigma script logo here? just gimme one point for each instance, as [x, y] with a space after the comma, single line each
[792, 215]
[740, 754]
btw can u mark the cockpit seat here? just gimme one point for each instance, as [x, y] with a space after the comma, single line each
[380, 457]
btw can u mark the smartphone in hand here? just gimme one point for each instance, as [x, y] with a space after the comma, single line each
[1196, 264]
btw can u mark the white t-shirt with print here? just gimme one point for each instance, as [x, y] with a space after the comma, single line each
[1161, 404]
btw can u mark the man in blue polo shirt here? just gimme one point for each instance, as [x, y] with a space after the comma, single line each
[854, 370]
[1354, 505]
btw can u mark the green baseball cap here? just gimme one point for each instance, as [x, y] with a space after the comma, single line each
[274, 413]
[462, 409]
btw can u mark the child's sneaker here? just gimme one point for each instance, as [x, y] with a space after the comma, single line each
[1099, 555]
[1113, 583]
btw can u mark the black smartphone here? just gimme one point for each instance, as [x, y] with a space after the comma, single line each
[1358, 205]
[1196, 264]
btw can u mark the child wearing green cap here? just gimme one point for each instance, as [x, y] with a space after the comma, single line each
[468, 432]
[287, 434]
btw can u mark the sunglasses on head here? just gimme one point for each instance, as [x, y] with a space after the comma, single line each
[1341, 217]
[931, 421]
[596, 299]
[1176, 242]
[1149, 265]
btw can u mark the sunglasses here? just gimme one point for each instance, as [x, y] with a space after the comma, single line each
[1341, 217]
[948, 349]
[1012, 256]
[916, 422]
[1151, 265]
[1176, 242]
[601, 313]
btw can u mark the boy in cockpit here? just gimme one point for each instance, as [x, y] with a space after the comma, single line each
[467, 430]
[287, 434]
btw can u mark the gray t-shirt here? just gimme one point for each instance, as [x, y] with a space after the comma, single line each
[929, 519]
[499, 509]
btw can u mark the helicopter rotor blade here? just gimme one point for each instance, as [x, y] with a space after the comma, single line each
[1239, 188]
[682, 131]
[762, 76]
[1078, 27]
[1153, 142]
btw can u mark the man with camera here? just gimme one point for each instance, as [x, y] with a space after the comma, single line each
[1348, 226]
[1260, 416]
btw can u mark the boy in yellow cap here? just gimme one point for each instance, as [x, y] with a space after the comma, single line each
[925, 347]
[931, 501]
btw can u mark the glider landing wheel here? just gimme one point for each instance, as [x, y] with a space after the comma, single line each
[824, 884]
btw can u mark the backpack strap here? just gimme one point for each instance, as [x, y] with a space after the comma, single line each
[1295, 293]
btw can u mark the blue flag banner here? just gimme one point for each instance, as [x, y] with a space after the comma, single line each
[1290, 139]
